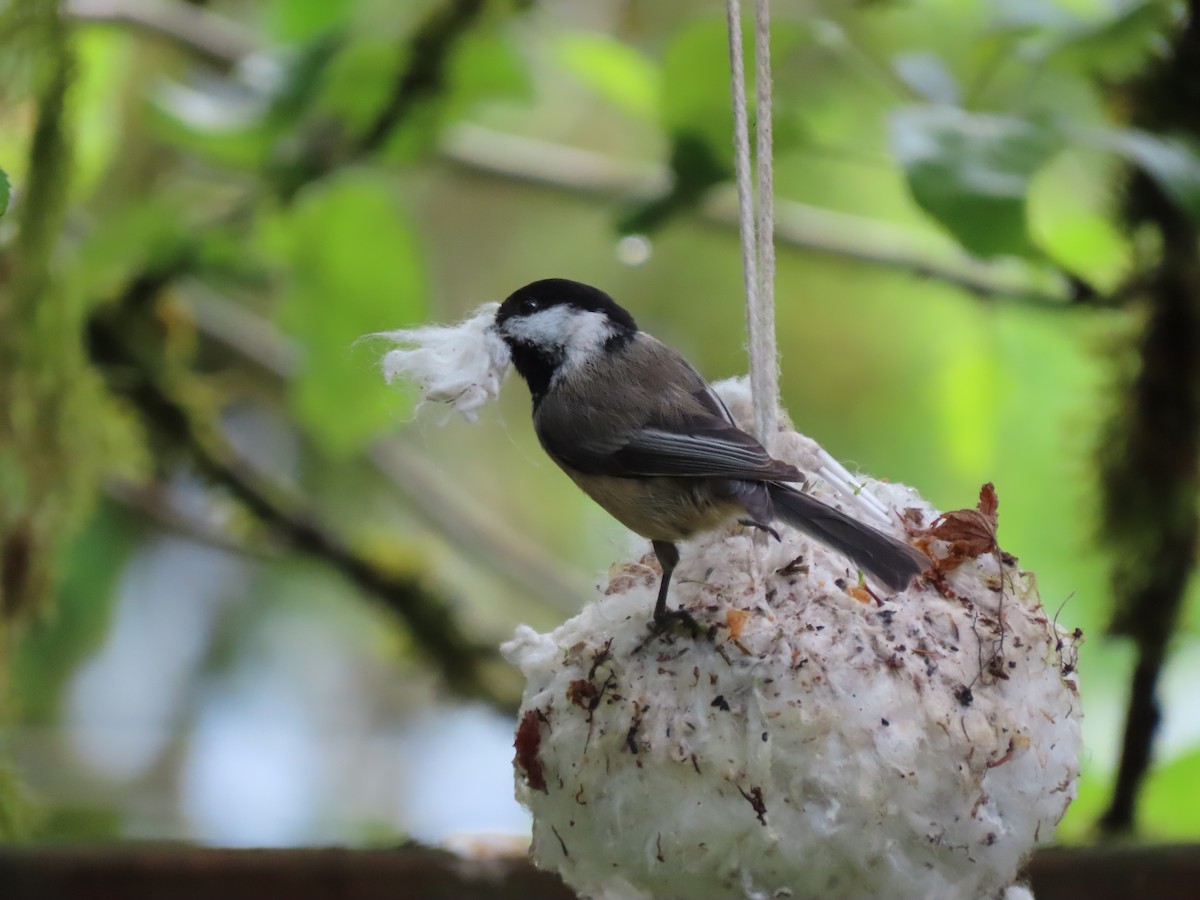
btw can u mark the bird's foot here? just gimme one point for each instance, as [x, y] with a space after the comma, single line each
[675, 621]
[750, 523]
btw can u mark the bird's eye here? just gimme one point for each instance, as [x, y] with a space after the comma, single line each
[530, 305]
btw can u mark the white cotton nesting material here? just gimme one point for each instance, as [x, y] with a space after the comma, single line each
[461, 365]
[819, 744]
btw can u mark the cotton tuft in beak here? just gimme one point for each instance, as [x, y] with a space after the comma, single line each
[460, 365]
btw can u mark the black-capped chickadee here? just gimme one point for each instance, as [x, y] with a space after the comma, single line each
[645, 436]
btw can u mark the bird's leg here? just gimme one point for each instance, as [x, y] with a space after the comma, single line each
[751, 523]
[668, 557]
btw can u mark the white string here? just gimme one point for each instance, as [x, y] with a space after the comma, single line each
[757, 232]
[851, 489]
[741, 166]
[764, 359]
[758, 244]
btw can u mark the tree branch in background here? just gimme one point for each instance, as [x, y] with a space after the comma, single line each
[156, 503]
[215, 39]
[434, 626]
[48, 421]
[797, 225]
[579, 171]
[425, 74]
[258, 345]
[1150, 454]
[426, 54]
[44, 469]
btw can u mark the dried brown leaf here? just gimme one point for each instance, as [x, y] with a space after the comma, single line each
[528, 742]
[968, 532]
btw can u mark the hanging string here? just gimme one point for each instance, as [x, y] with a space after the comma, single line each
[757, 233]
[758, 244]
[764, 357]
[741, 166]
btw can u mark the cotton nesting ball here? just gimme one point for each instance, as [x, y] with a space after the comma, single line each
[461, 365]
[823, 740]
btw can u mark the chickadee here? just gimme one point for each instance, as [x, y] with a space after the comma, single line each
[646, 437]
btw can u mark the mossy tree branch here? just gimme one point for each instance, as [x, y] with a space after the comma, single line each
[1150, 452]
[437, 632]
[38, 336]
[46, 475]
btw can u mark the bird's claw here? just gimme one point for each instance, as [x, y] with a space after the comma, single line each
[679, 621]
[750, 523]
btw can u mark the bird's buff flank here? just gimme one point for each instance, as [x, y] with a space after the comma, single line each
[816, 742]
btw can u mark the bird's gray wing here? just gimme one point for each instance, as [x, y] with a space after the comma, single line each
[696, 446]
[667, 422]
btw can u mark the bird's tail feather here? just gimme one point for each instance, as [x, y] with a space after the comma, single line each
[891, 561]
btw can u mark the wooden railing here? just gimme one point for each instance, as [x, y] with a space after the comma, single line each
[151, 872]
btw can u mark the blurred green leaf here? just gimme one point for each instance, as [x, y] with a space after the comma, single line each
[140, 237]
[1069, 210]
[695, 87]
[294, 20]
[1168, 804]
[358, 80]
[1115, 48]
[15, 815]
[616, 71]
[303, 74]
[355, 267]
[103, 72]
[1112, 42]
[696, 112]
[695, 169]
[928, 75]
[1172, 162]
[1078, 826]
[1029, 16]
[80, 824]
[52, 648]
[484, 66]
[4, 189]
[240, 147]
[971, 172]
[257, 129]
[695, 84]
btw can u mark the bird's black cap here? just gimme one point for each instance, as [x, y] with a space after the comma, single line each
[549, 292]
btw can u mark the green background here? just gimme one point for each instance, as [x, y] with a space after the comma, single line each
[957, 158]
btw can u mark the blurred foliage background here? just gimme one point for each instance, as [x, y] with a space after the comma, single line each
[250, 596]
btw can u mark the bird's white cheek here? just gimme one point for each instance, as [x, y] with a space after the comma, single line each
[576, 334]
[586, 339]
[549, 328]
